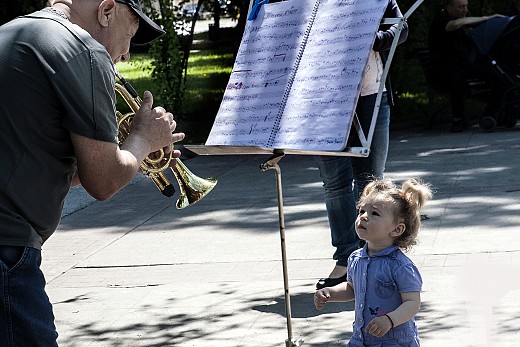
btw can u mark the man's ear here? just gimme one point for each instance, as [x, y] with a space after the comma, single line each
[106, 12]
[399, 229]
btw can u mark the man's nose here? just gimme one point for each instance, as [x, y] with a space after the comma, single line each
[125, 57]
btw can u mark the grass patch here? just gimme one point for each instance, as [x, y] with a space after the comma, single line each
[207, 76]
[138, 73]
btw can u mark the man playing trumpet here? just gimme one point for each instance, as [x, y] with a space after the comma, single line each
[58, 129]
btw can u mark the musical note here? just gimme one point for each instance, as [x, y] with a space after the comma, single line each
[235, 86]
[280, 57]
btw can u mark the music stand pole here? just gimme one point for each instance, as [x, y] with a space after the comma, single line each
[272, 164]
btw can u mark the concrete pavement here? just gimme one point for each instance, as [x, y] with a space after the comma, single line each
[134, 271]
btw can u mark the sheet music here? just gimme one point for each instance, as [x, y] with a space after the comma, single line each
[260, 74]
[296, 78]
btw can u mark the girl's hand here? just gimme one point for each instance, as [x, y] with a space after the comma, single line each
[379, 326]
[321, 297]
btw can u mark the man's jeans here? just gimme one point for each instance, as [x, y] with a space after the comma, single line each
[26, 317]
[345, 177]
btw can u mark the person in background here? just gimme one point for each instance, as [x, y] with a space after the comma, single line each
[345, 177]
[58, 129]
[450, 53]
[387, 293]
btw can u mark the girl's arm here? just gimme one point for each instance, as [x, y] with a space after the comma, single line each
[408, 309]
[379, 326]
[339, 293]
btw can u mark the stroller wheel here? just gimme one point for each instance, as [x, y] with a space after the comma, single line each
[488, 124]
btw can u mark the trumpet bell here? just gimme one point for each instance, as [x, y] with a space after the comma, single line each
[192, 188]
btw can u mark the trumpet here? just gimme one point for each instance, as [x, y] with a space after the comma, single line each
[192, 188]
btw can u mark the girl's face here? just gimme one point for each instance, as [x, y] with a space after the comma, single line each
[376, 223]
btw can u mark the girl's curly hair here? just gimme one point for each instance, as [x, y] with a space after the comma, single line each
[408, 199]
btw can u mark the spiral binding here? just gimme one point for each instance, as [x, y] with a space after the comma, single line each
[290, 81]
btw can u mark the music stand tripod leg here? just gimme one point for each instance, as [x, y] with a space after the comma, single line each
[272, 164]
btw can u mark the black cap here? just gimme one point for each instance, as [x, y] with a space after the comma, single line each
[148, 30]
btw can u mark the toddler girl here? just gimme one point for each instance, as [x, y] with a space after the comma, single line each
[384, 282]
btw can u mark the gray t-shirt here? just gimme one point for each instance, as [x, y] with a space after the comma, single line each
[55, 79]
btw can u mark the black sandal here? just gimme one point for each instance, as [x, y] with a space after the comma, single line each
[330, 282]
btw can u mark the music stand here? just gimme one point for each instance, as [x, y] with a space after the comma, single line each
[278, 154]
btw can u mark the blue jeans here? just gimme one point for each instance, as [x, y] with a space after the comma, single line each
[26, 317]
[345, 177]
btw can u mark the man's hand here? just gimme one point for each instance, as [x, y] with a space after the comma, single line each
[154, 127]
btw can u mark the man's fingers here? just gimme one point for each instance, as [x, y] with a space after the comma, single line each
[171, 120]
[147, 99]
[161, 111]
[178, 137]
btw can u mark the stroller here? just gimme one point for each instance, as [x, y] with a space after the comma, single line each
[497, 44]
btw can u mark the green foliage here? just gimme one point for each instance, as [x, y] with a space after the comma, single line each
[167, 55]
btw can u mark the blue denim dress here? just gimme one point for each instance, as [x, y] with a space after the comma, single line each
[378, 281]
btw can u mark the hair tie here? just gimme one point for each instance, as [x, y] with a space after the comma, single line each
[391, 321]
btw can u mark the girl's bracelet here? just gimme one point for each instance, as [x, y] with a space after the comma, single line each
[391, 321]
